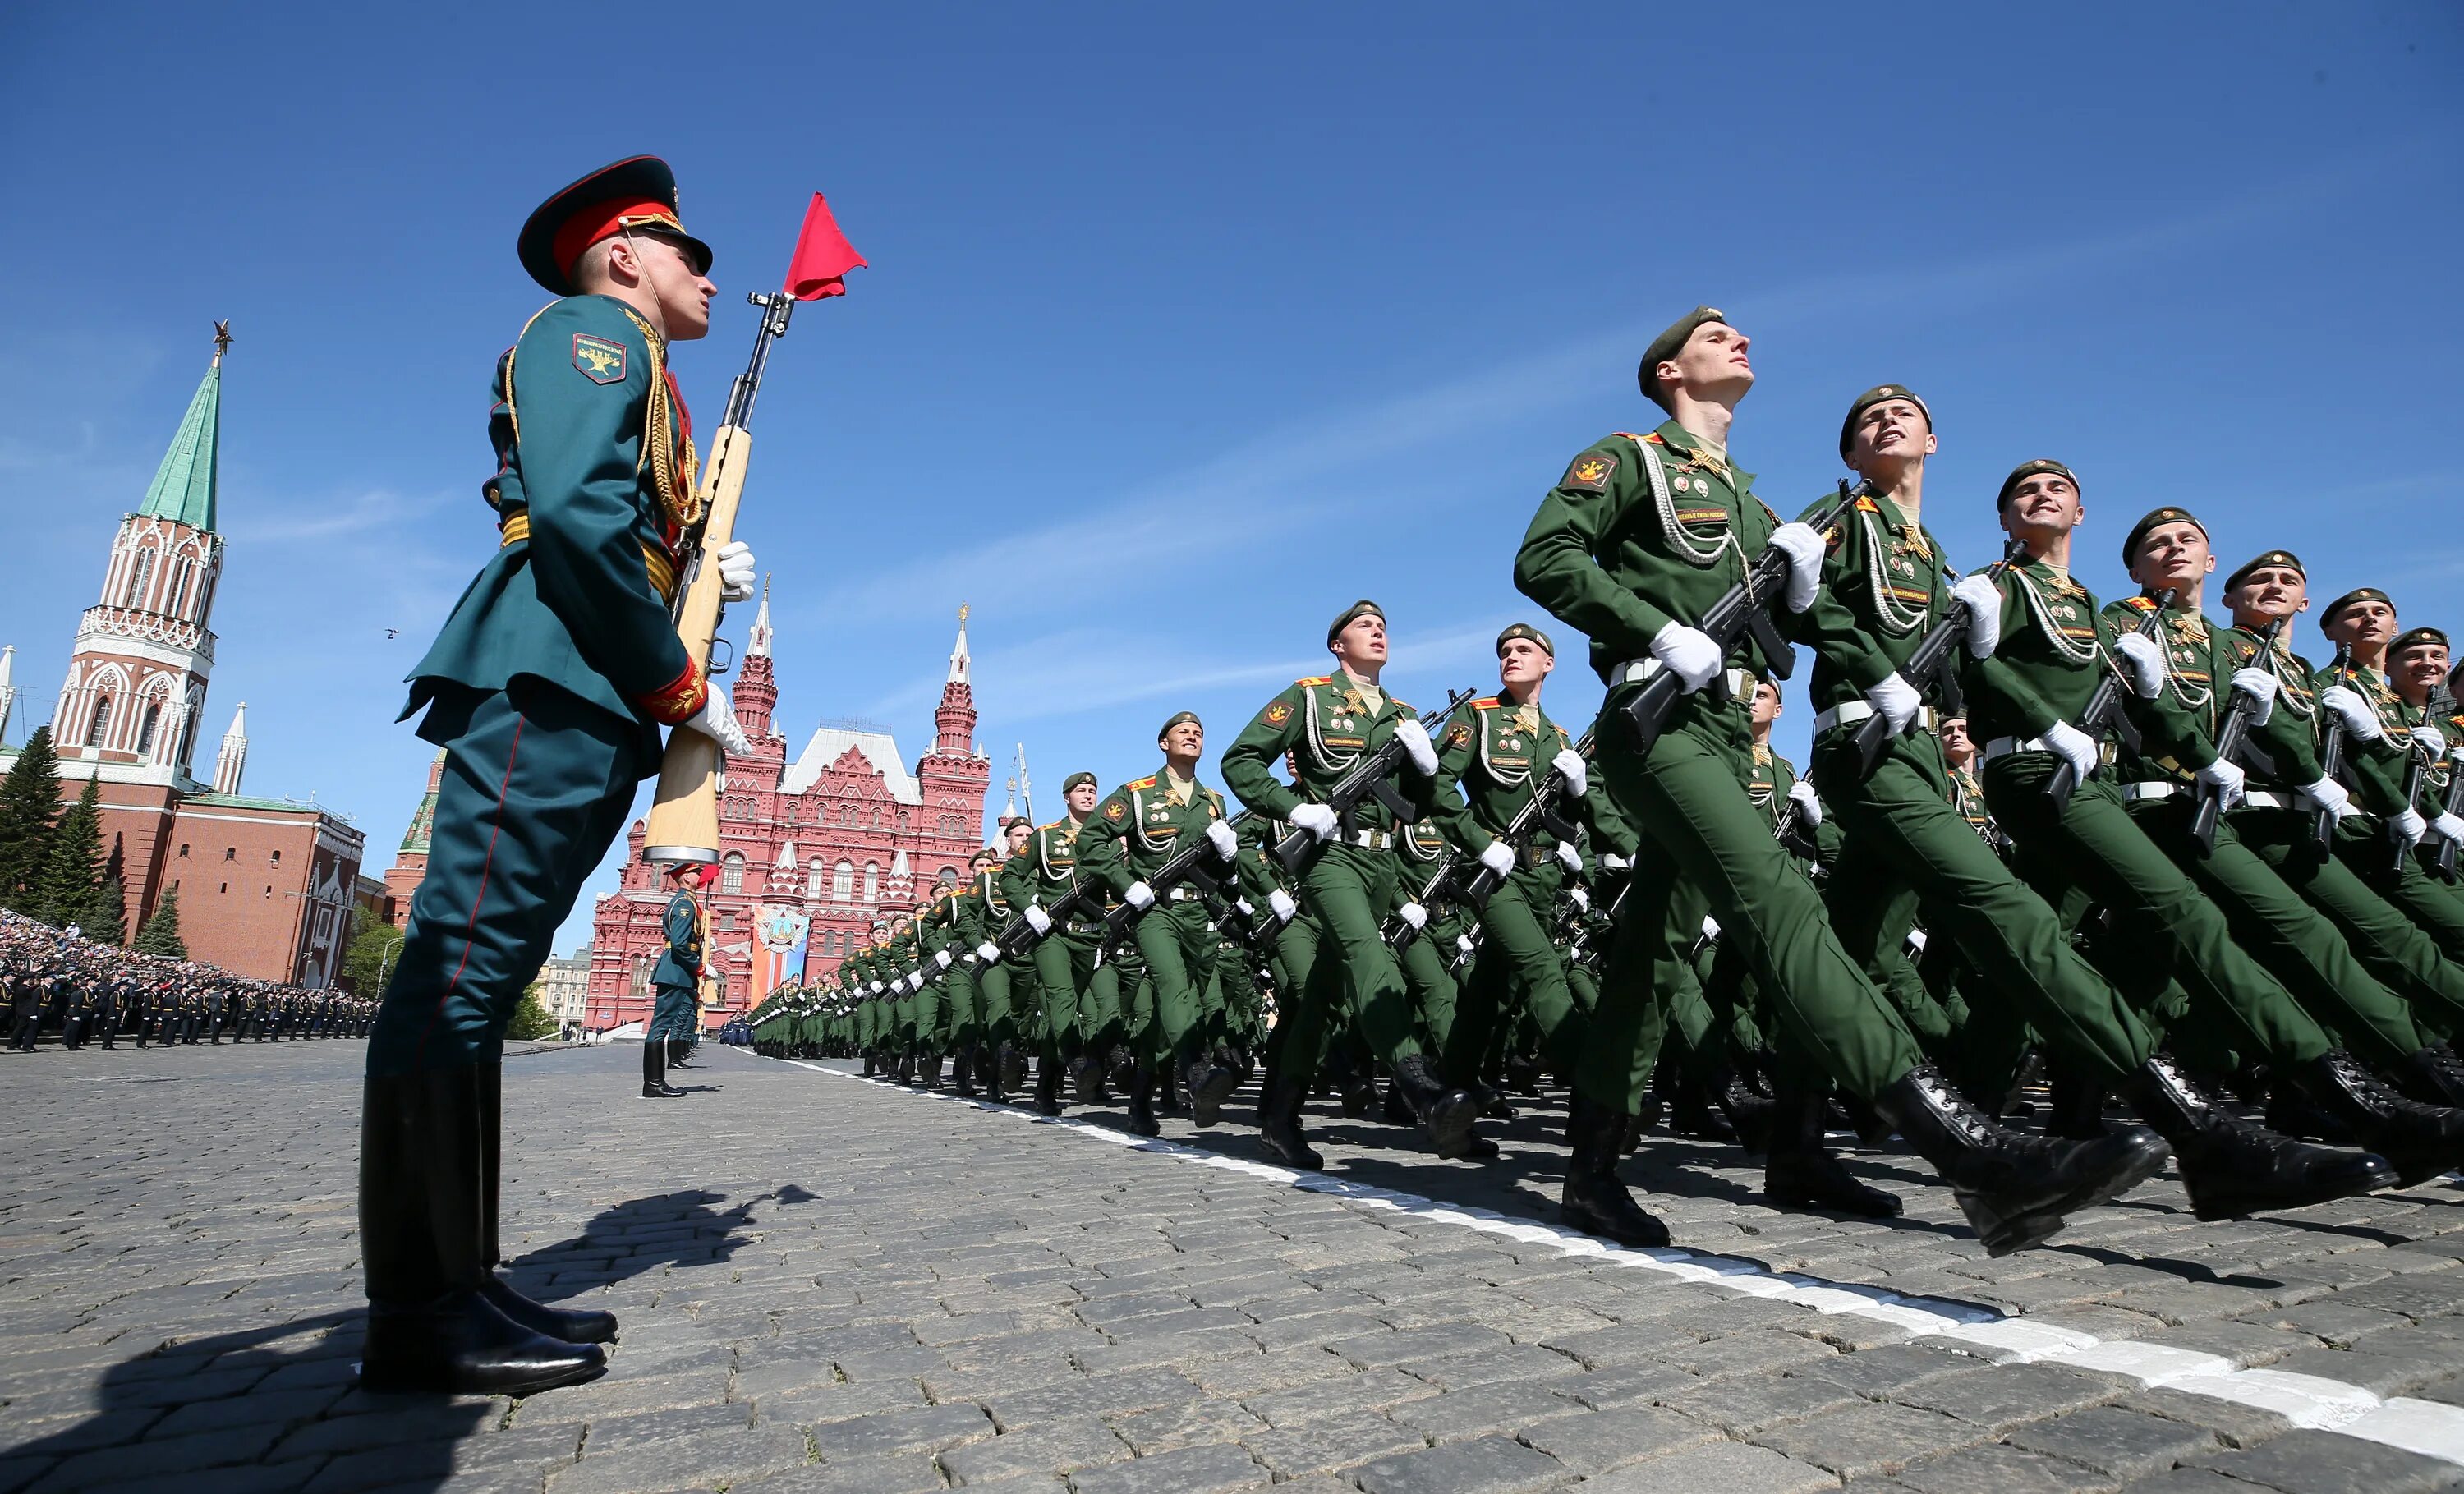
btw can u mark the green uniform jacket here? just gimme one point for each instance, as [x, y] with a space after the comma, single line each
[2374, 770]
[1489, 764]
[573, 605]
[1326, 724]
[680, 962]
[2199, 662]
[1137, 828]
[1882, 590]
[2056, 647]
[1045, 869]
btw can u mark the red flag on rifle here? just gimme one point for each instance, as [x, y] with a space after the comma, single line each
[823, 256]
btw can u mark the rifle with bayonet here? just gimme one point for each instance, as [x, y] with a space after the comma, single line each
[1186, 865]
[2105, 715]
[2331, 749]
[1743, 609]
[1369, 779]
[2229, 738]
[1929, 668]
[1538, 813]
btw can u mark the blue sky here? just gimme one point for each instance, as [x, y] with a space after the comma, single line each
[1190, 324]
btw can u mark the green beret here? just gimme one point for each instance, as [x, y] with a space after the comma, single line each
[1178, 717]
[1076, 778]
[2417, 637]
[2271, 560]
[1873, 397]
[1364, 607]
[2154, 519]
[2353, 597]
[1527, 631]
[1664, 346]
[2025, 471]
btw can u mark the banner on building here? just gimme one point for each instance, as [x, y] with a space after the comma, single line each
[780, 935]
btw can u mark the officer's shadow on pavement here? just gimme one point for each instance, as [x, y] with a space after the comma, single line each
[640, 1235]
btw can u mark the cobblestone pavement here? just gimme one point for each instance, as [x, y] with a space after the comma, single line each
[827, 1285]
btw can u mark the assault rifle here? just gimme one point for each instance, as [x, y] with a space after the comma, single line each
[2416, 772]
[1186, 865]
[2331, 749]
[1400, 934]
[1743, 608]
[1366, 780]
[2229, 745]
[2104, 715]
[1538, 813]
[1018, 935]
[1930, 667]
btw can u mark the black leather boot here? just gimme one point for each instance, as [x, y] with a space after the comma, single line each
[1394, 1109]
[2422, 1140]
[1012, 1067]
[1444, 1112]
[574, 1326]
[2434, 1076]
[1523, 1074]
[1279, 1119]
[929, 1071]
[654, 1082]
[2078, 1105]
[2232, 1167]
[432, 1327]
[2014, 1189]
[1594, 1200]
[963, 1071]
[1086, 1079]
[1139, 1092]
[1047, 1086]
[1800, 1171]
[1210, 1084]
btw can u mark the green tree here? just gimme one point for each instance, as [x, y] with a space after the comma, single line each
[73, 868]
[29, 799]
[161, 934]
[531, 1019]
[105, 918]
[368, 959]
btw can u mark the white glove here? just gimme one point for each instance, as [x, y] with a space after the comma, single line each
[877, 988]
[915, 981]
[716, 720]
[1803, 547]
[1281, 904]
[1688, 653]
[1242, 904]
[1414, 915]
[2226, 778]
[1138, 895]
[1710, 927]
[1917, 940]
[1569, 857]
[1498, 857]
[1897, 701]
[1465, 943]
[2360, 722]
[1038, 919]
[2430, 740]
[2073, 747]
[1569, 765]
[2325, 794]
[2411, 826]
[941, 957]
[988, 952]
[1983, 601]
[1580, 899]
[1809, 803]
[1227, 841]
[2449, 826]
[736, 570]
[1613, 862]
[1415, 738]
[2146, 658]
[1316, 819]
[2261, 687]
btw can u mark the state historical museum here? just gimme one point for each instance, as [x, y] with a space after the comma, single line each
[847, 832]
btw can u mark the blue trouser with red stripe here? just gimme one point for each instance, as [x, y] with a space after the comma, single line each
[538, 784]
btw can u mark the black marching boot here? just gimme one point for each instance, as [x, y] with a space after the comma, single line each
[2434, 1076]
[1801, 1172]
[654, 1080]
[2077, 1105]
[1394, 1109]
[431, 1326]
[1047, 1086]
[1086, 1079]
[1140, 1093]
[1444, 1112]
[1012, 1067]
[963, 1071]
[1210, 1084]
[1594, 1199]
[929, 1072]
[2232, 1167]
[1279, 1119]
[571, 1326]
[2422, 1140]
[2014, 1189]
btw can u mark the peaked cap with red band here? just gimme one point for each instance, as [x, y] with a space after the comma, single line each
[637, 193]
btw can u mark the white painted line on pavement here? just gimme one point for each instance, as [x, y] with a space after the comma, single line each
[2431, 1428]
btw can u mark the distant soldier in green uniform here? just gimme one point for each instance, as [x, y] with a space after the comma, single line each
[1636, 541]
[2418, 668]
[1043, 869]
[546, 688]
[2382, 749]
[676, 981]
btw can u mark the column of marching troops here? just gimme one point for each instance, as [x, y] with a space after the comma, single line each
[2169, 862]
[99, 994]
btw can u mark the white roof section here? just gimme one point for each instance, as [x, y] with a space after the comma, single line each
[879, 749]
[899, 866]
[786, 861]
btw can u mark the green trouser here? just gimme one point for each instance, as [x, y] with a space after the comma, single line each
[1022, 998]
[1103, 1013]
[1517, 963]
[1064, 963]
[2092, 853]
[993, 1018]
[964, 1005]
[1436, 998]
[930, 1004]
[1688, 795]
[1295, 957]
[1347, 889]
[2294, 940]
[2401, 954]
[2437, 905]
[1902, 841]
[1177, 944]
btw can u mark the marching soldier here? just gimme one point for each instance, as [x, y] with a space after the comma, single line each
[2384, 738]
[1043, 869]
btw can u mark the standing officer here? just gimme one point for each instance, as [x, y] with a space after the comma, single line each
[676, 981]
[546, 688]
[1636, 540]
